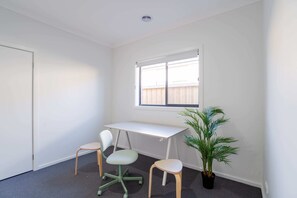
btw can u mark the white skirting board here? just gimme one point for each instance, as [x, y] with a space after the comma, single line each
[62, 160]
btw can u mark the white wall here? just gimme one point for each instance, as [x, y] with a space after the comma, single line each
[72, 86]
[233, 73]
[281, 46]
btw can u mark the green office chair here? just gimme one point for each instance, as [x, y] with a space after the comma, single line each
[120, 158]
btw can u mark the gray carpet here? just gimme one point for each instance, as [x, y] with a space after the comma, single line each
[59, 182]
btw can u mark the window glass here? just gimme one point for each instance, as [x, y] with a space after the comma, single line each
[183, 81]
[153, 81]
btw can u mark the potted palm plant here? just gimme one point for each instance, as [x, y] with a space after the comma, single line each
[206, 141]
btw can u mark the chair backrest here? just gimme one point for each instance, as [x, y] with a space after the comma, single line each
[105, 138]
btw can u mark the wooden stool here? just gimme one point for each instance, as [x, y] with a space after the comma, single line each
[172, 166]
[94, 146]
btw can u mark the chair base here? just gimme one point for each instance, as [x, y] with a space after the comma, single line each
[120, 178]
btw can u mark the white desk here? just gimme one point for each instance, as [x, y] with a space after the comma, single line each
[156, 130]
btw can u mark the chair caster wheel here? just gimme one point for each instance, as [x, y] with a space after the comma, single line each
[99, 193]
[140, 182]
[125, 196]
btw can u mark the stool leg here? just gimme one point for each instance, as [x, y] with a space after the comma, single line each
[99, 160]
[178, 178]
[76, 161]
[150, 180]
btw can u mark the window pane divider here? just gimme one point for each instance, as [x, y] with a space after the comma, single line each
[140, 95]
[166, 85]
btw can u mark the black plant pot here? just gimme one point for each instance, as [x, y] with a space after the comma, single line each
[208, 182]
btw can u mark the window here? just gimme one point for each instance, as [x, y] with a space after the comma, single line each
[169, 81]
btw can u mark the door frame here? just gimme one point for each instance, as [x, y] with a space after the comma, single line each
[34, 100]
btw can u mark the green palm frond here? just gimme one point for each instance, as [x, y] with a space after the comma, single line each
[210, 112]
[216, 123]
[197, 144]
[192, 142]
[223, 140]
[222, 152]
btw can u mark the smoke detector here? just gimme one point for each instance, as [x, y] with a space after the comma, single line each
[146, 18]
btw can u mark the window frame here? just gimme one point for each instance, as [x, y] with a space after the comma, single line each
[166, 105]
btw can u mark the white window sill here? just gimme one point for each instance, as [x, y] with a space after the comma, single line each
[157, 108]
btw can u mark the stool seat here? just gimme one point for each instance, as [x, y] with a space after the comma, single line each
[122, 157]
[91, 146]
[170, 165]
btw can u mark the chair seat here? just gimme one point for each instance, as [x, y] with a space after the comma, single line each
[91, 146]
[170, 165]
[122, 157]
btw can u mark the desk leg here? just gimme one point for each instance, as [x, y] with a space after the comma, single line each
[117, 141]
[176, 147]
[130, 147]
[167, 156]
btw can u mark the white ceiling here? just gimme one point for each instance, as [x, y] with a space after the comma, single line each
[117, 22]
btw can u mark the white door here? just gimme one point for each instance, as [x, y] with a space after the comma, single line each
[15, 112]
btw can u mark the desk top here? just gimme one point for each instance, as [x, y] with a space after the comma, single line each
[156, 130]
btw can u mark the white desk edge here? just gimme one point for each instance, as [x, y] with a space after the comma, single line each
[130, 129]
